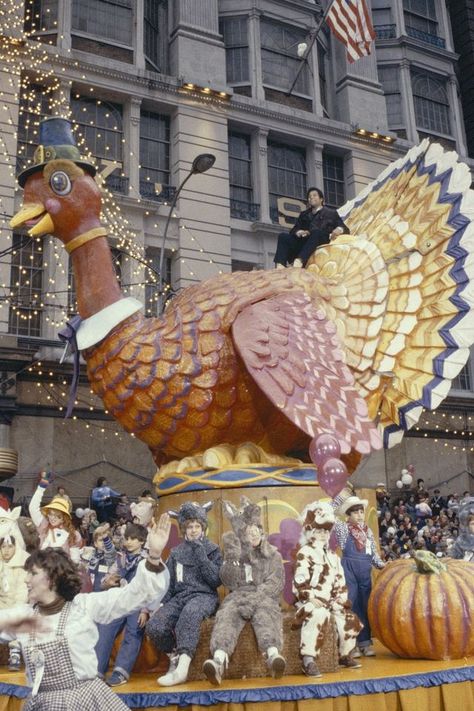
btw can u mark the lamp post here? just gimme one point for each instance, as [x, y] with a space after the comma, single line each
[200, 164]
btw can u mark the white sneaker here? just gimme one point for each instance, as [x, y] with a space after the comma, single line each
[356, 653]
[280, 266]
[178, 675]
[367, 651]
[298, 264]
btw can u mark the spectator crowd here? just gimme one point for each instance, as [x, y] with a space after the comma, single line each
[415, 520]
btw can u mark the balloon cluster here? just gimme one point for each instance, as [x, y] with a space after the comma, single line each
[325, 451]
[406, 478]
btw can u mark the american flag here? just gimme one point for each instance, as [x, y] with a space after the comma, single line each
[351, 23]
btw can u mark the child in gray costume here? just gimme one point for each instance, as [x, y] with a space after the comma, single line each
[192, 595]
[253, 572]
[463, 547]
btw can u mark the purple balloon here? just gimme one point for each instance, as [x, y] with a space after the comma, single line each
[323, 447]
[332, 476]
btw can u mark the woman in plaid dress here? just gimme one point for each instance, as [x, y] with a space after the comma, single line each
[57, 629]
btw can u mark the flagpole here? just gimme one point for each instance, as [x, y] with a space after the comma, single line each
[313, 36]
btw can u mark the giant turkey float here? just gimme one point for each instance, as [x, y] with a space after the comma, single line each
[338, 359]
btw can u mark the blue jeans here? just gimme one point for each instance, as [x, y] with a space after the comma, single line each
[129, 649]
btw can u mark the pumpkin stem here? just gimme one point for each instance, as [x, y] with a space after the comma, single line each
[428, 563]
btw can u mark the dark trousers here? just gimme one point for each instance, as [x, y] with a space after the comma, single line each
[290, 247]
[177, 624]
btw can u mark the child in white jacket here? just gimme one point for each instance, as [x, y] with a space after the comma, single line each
[13, 589]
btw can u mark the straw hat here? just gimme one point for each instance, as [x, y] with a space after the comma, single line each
[350, 502]
[56, 504]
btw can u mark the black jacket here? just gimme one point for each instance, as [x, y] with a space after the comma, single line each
[326, 220]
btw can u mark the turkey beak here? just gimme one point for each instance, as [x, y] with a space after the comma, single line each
[33, 211]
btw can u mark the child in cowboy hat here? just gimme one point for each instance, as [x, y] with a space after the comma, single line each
[53, 521]
[359, 554]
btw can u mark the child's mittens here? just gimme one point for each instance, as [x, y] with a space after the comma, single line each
[45, 478]
[232, 547]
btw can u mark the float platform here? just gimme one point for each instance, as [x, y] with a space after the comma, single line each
[383, 683]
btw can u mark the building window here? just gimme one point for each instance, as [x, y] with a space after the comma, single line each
[235, 34]
[463, 381]
[154, 156]
[100, 125]
[323, 90]
[41, 16]
[155, 34]
[34, 106]
[240, 177]
[431, 102]
[152, 281]
[107, 19]
[280, 61]
[286, 174]
[388, 77]
[239, 265]
[333, 179]
[26, 286]
[420, 15]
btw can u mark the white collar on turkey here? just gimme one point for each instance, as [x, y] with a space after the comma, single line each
[95, 328]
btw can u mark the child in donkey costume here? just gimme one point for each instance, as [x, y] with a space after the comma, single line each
[463, 547]
[192, 595]
[321, 593]
[253, 572]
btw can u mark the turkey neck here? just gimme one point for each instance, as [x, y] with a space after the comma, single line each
[95, 279]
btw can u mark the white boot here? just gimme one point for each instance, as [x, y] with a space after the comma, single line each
[178, 675]
[214, 668]
[275, 662]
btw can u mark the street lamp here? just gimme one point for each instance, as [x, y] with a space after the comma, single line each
[200, 164]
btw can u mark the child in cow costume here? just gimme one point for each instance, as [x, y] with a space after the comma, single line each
[192, 594]
[321, 592]
[253, 573]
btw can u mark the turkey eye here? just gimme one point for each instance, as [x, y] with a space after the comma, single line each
[60, 183]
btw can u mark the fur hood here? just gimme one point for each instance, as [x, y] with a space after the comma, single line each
[18, 560]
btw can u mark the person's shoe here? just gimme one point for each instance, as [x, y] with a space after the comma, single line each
[311, 669]
[179, 674]
[117, 678]
[368, 651]
[213, 671]
[297, 263]
[277, 665]
[14, 661]
[280, 266]
[349, 662]
[356, 653]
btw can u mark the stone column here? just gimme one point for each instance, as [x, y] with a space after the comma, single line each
[138, 35]
[64, 25]
[399, 18]
[260, 168]
[445, 25]
[9, 91]
[408, 105]
[131, 155]
[202, 227]
[255, 56]
[197, 52]
[456, 116]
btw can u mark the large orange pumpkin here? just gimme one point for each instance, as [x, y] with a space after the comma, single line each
[424, 608]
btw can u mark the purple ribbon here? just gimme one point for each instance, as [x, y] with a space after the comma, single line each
[68, 336]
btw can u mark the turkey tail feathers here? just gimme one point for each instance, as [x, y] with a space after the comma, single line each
[417, 217]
